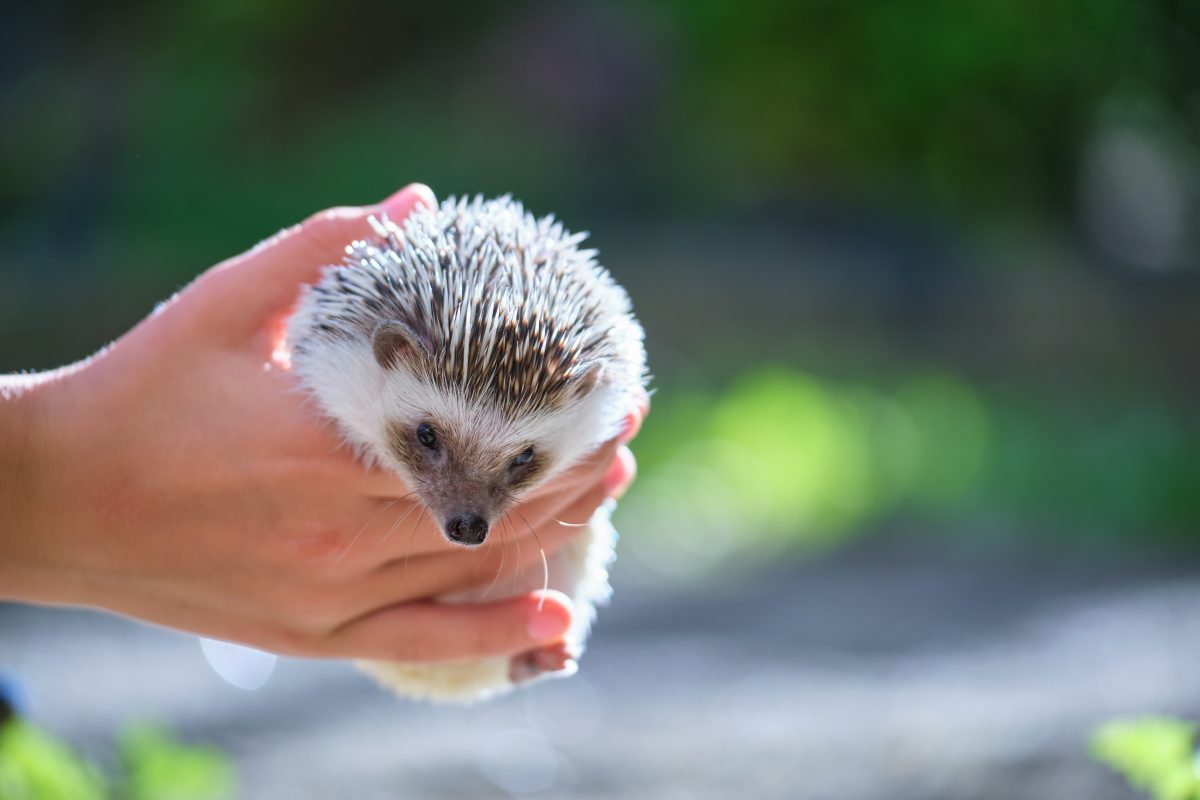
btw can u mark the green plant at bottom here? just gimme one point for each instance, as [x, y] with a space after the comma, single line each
[35, 766]
[159, 768]
[1155, 754]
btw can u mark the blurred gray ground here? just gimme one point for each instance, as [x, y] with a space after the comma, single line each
[888, 671]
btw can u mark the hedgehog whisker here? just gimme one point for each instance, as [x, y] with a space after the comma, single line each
[499, 569]
[520, 573]
[398, 523]
[545, 563]
[484, 551]
[378, 511]
[412, 537]
[570, 524]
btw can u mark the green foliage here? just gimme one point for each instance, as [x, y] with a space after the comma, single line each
[158, 768]
[984, 102]
[784, 458]
[35, 766]
[1155, 754]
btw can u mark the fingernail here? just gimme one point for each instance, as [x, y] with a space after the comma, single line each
[621, 473]
[425, 193]
[400, 204]
[550, 621]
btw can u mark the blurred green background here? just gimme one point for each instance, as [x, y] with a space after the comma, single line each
[919, 280]
[921, 264]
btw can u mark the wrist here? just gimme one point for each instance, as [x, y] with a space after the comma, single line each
[20, 396]
[26, 520]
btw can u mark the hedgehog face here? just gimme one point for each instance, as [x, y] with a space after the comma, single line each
[465, 482]
[467, 454]
[468, 462]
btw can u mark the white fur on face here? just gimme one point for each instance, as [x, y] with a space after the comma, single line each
[367, 399]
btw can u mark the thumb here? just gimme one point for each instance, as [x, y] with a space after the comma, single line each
[253, 290]
[430, 631]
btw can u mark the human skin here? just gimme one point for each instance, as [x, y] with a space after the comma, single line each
[179, 477]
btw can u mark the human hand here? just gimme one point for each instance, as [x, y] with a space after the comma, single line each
[180, 477]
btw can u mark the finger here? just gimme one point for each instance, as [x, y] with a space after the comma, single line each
[611, 462]
[385, 484]
[572, 515]
[621, 473]
[318, 437]
[515, 560]
[393, 528]
[519, 561]
[380, 483]
[503, 568]
[531, 516]
[633, 424]
[419, 534]
[508, 561]
[263, 283]
[296, 255]
[583, 473]
[428, 631]
[392, 531]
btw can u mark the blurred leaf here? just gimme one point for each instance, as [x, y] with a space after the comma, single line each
[1155, 754]
[158, 768]
[34, 766]
[785, 458]
[954, 431]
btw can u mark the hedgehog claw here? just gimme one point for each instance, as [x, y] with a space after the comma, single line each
[534, 663]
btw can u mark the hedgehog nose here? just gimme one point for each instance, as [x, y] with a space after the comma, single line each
[469, 529]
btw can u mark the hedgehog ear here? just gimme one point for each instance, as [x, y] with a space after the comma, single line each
[395, 343]
[583, 378]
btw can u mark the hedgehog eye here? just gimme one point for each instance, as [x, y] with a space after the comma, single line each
[523, 458]
[427, 436]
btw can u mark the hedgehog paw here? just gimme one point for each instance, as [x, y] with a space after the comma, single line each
[532, 664]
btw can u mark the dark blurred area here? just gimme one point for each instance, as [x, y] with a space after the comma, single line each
[917, 278]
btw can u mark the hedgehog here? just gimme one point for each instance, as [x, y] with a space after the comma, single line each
[477, 351]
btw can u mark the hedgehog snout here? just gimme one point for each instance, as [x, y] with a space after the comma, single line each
[469, 529]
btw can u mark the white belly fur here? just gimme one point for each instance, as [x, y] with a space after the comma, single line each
[578, 570]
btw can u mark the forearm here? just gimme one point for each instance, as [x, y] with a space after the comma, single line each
[19, 424]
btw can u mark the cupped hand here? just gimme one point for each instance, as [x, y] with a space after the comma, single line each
[181, 477]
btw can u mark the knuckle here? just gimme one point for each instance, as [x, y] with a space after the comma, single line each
[313, 549]
[294, 641]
